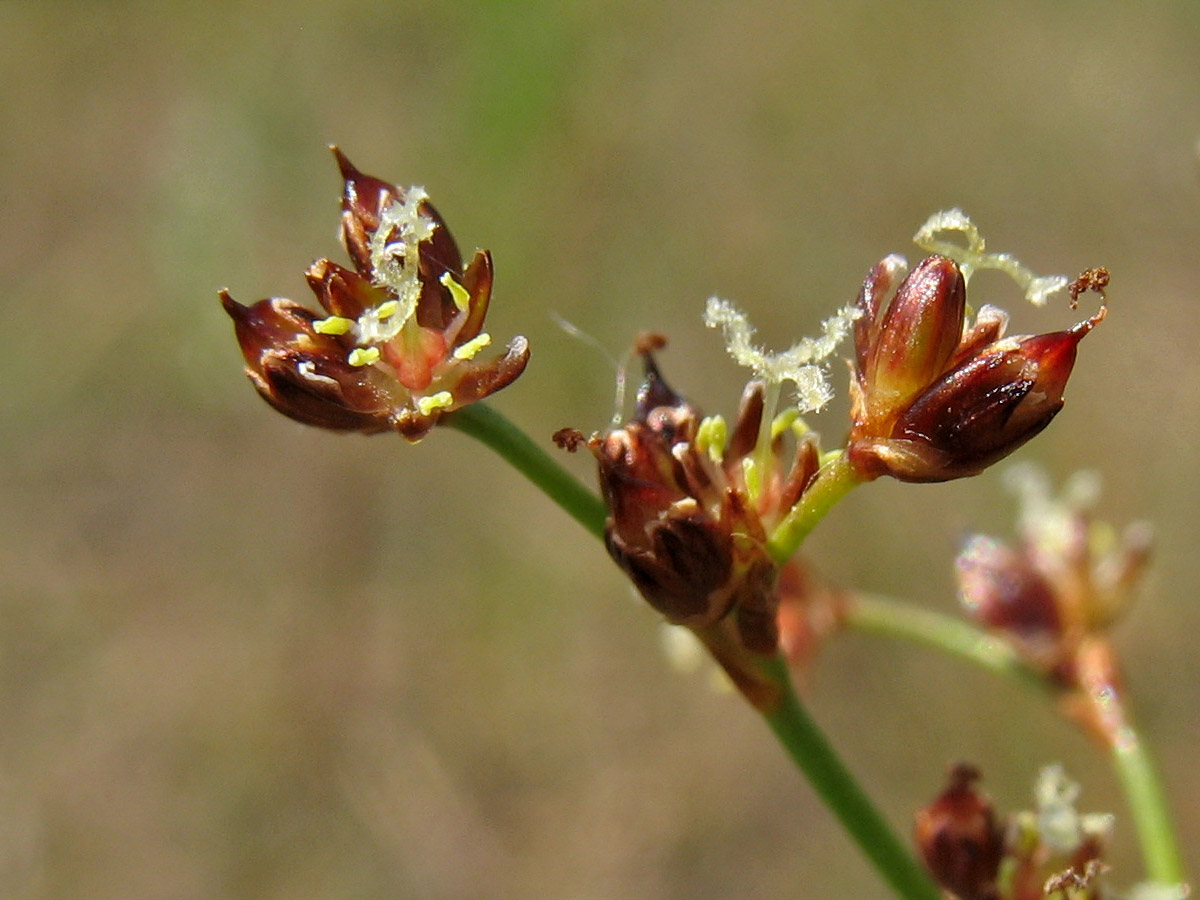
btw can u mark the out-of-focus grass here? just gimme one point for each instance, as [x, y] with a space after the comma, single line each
[241, 658]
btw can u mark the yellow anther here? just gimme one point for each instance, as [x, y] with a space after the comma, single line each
[333, 325]
[461, 298]
[388, 309]
[712, 436]
[363, 356]
[473, 346]
[801, 429]
[440, 400]
[783, 421]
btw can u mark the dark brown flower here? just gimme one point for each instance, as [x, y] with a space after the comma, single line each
[959, 838]
[687, 537]
[690, 509]
[1055, 596]
[934, 400]
[397, 347]
[1002, 590]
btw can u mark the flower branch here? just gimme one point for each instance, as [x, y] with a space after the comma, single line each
[705, 517]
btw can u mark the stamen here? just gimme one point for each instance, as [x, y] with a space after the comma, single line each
[387, 310]
[712, 436]
[363, 356]
[462, 299]
[752, 473]
[333, 325]
[471, 348]
[785, 421]
[440, 400]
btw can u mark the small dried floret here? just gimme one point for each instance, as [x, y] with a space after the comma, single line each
[960, 839]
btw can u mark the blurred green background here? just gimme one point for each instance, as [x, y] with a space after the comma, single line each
[242, 658]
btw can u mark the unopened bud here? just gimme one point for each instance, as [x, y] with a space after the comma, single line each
[959, 839]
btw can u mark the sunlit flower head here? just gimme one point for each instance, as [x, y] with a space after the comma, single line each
[399, 344]
[935, 397]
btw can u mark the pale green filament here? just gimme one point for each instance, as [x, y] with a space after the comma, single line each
[712, 436]
[440, 400]
[973, 256]
[787, 420]
[752, 473]
[472, 347]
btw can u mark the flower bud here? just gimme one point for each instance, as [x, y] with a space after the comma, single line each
[694, 550]
[993, 401]
[1002, 590]
[959, 839]
[919, 332]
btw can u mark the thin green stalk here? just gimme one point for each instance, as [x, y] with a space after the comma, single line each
[878, 615]
[1148, 803]
[483, 423]
[794, 728]
[834, 480]
[837, 787]
[1144, 792]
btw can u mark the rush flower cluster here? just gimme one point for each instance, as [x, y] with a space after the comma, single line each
[705, 517]
[703, 524]
[1049, 851]
[1055, 596]
[691, 504]
[398, 345]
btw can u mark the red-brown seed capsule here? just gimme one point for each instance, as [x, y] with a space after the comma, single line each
[959, 839]
[957, 408]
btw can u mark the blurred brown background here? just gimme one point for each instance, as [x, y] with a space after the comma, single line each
[241, 658]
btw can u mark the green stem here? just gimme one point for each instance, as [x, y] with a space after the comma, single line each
[837, 787]
[879, 615]
[1139, 777]
[795, 729]
[483, 423]
[834, 480]
[1148, 802]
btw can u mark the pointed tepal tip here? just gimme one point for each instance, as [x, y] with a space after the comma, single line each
[1092, 321]
[349, 172]
[232, 307]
